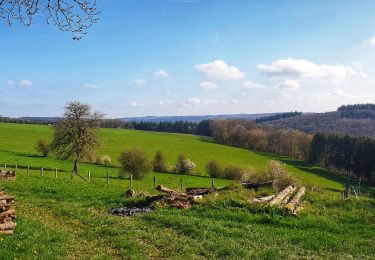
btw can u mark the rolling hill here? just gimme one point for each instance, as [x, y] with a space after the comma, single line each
[67, 218]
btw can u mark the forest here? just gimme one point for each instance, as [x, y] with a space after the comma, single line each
[345, 155]
[354, 120]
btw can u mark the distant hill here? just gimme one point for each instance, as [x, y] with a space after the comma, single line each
[196, 119]
[355, 120]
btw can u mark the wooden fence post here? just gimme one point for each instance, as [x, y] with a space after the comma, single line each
[154, 182]
[16, 167]
[213, 184]
[41, 172]
[131, 180]
[107, 178]
[28, 170]
[56, 173]
[89, 174]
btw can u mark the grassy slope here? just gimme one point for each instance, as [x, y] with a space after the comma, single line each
[17, 144]
[64, 218]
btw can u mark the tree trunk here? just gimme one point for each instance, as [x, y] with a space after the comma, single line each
[75, 168]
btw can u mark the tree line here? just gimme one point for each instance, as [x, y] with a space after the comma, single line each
[184, 127]
[277, 117]
[346, 155]
[249, 135]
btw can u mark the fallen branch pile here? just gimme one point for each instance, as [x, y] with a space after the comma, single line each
[285, 199]
[7, 174]
[181, 200]
[7, 214]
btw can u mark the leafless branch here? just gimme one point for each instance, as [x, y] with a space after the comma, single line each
[75, 16]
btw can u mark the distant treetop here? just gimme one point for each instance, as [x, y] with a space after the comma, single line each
[278, 116]
[357, 107]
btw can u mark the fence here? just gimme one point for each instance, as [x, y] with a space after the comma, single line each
[30, 171]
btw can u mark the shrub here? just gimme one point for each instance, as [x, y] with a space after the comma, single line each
[91, 158]
[184, 165]
[43, 147]
[275, 172]
[280, 176]
[159, 162]
[105, 160]
[213, 169]
[233, 172]
[134, 161]
[249, 175]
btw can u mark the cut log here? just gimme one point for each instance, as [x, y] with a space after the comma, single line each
[281, 196]
[4, 220]
[8, 225]
[286, 200]
[7, 213]
[6, 232]
[4, 207]
[263, 199]
[170, 191]
[296, 199]
[199, 191]
[7, 198]
[252, 185]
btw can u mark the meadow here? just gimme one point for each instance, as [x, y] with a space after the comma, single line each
[64, 218]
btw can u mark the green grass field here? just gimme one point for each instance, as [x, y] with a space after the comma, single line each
[64, 218]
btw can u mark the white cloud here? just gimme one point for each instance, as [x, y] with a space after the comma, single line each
[336, 93]
[372, 41]
[140, 81]
[207, 85]
[161, 74]
[306, 70]
[220, 70]
[133, 104]
[90, 86]
[24, 83]
[289, 84]
[163, 102]
[10, 83]
[252, 85]
[192, 101]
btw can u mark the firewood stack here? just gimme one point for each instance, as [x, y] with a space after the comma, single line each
[7, 214]
[7, 174]
[288, 198]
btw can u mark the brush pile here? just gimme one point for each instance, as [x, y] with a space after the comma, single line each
[7, 174]
[288, 198]
[7, 214]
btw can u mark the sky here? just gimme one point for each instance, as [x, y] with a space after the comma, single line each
[194, 57]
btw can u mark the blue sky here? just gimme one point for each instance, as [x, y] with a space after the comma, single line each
[183, 57]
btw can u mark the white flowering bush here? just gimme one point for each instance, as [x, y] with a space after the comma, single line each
[185, 165]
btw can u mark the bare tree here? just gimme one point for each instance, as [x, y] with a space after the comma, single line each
[74, 16]
[75, 135]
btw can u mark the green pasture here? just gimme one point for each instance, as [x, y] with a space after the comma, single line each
[67, 218]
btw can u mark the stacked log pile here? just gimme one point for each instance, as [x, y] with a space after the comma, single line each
[7, 214]
[286, 199]
[7, 174]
